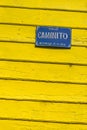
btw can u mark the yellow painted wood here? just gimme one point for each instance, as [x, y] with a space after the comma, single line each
[43, 91]
[37, 91]
[43, 111]
[29, 52]
[27, 34]
[25, 125]
[43, 17]
[48, 72]
[17, 33]
[63, 4]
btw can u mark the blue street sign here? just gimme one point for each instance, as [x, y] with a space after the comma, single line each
[53, 37]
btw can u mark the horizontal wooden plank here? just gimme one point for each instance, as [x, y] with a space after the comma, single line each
[43, 111]
[23, 90]
[27, 34]
[47, 72]
[23, 125]
[43, 17]
[63, 4]
[29, 52]
[18, 33]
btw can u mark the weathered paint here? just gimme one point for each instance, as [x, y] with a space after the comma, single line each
[42, 88]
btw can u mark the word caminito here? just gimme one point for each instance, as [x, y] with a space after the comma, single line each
[53, 35]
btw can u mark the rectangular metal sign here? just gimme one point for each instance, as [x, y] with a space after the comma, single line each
[53, 37]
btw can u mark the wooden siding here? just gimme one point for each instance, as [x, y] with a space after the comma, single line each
[41, 88]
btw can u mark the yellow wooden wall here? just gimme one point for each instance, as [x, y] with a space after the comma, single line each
[40, 88]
